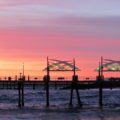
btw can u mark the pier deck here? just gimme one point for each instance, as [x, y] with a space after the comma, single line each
[59, 84]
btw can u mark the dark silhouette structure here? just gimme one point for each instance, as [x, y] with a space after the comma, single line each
[21, 92]
[46, 80]
[21, 89]
[100, 80]
[74, 85]
[58, 65]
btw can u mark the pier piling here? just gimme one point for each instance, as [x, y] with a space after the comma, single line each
[47, 79]
[21, 93]
[75, 86]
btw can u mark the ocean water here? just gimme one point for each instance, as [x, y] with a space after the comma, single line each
[59, 109]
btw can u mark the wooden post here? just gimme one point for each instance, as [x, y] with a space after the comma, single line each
[47, 83]
[75, 86]
[71, 94]
[101, 83]
[22, 86]
[102, 68]
[77, 91]
[22, 83]
[21, 92]
[47, 90]
[72, 85]
[100, 94]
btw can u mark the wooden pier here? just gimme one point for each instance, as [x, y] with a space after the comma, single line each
[21, 86]
[75, 84]
[60, 84]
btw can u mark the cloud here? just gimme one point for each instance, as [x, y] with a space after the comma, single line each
[85, 29]
[21, 2]
[48, 16]
[82, 8]
[101, 27]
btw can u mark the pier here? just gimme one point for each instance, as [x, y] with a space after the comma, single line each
[60, 84]
[21, 84]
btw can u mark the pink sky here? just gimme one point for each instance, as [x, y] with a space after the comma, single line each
[31, 30]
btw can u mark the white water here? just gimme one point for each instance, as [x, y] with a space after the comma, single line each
[59, 110]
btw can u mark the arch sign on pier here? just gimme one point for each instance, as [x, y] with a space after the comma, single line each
[60, 65]
[109, 65]
[105, 65]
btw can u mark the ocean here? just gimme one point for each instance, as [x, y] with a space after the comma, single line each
[35, 108]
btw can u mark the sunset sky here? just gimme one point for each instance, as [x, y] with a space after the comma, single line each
[30, 30]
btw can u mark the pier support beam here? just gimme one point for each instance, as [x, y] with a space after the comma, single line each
[100, 84]
[74, 85]
[100, 80]
[20, 93]
[47, 90]
[46, 83]
[46, 87]
[100, 94]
